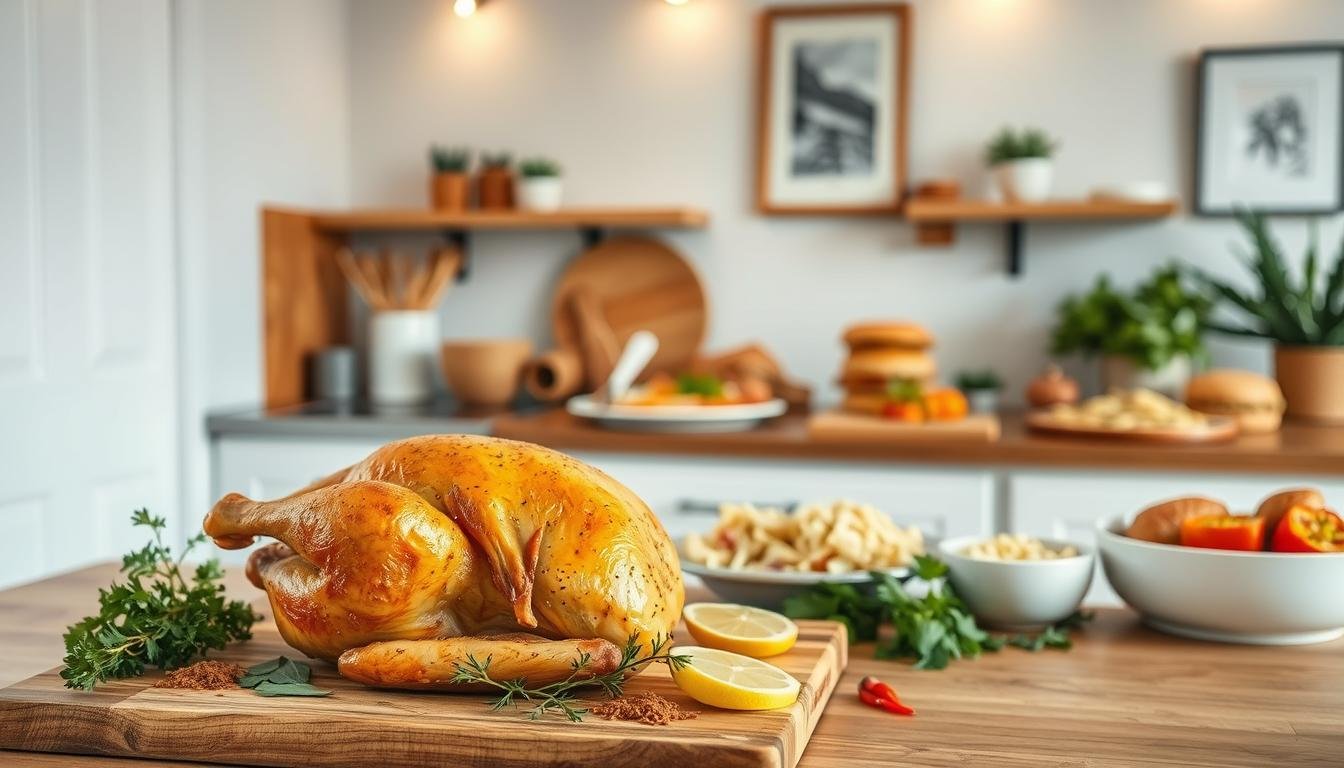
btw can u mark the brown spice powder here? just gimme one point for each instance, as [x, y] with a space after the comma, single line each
[203, 676]
[645, 707]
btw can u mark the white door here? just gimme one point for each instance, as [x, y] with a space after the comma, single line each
[87, 383]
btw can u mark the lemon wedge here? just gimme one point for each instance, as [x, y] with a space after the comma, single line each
[733, 681]
[740, 628]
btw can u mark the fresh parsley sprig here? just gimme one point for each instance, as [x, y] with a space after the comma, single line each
[558, 697]
[156, 616]
[933, 629]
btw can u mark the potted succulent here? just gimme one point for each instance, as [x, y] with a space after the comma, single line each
[448, 185]
[1022, 164]
[982, 390]
[494, 183]
[1304, 318]
[540, 187]
[1150, 337]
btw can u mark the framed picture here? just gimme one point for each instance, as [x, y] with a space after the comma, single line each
[831, 109]
[1269, 132]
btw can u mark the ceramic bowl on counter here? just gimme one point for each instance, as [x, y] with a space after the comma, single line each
[769, 589]
[1262, 598]
[1018, 594]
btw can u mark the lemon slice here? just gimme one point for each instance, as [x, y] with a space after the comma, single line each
[733, 681]
[740, 628]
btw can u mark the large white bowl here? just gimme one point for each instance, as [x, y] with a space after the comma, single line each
[1014, 594]
[1264, 598]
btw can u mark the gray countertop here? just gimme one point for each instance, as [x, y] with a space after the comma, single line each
[357, 420]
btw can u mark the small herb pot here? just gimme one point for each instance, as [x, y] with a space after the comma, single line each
[1028, 180]
[983, 400]
[494, 189]
[540, 193]
[449, 191]
[1312, 380]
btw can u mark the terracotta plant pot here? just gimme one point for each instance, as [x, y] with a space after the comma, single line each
[1312, 380]
[449, 191]
[485, 371]
[494, 189]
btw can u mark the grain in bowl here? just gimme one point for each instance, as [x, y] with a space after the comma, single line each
[1017, 546]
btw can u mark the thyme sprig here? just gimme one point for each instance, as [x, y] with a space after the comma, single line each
[558, 697]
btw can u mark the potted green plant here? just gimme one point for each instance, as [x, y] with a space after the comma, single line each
[448, 184]
[540, 187]
[494, 182]
[1150, 337]
[1022, 164]
[982, 390]
[1304, 318]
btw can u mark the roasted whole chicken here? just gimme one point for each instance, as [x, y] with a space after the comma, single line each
[442, 547]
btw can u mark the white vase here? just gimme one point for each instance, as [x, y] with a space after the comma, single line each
[1120, 372]
[1027, 180]
[403, 349]
[539, 193]
[983, 400]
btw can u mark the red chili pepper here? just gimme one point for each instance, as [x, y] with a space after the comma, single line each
[876, 693]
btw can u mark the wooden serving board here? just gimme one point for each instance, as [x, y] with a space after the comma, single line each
[358, 727]
[841, 427]
[1218, 429]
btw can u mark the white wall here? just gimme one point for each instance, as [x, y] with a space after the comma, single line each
[262, 115]
[647, 103]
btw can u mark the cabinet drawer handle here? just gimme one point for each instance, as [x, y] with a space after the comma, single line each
[701, 507]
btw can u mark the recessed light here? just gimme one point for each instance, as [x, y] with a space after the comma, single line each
[677, 2]
[464, 8]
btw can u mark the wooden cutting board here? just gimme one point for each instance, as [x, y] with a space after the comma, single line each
[358, 727]
[841, 427]
[637, 283]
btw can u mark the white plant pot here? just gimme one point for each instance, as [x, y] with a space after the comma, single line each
[1119, 372]
[403, 349]
[542, 193]
[1026, 181]
[983, 400]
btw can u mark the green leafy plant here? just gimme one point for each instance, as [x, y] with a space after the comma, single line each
[1306, 312]
[449, 159]
[1008, 145]
[538, 168]
[970, 381]
[1156, 322]
[281, 677]
[933, 629]
[496, 160]
[558, 697]
[157, 616]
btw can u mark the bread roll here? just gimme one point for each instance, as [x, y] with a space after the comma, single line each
[1161, 523]
[894, 335]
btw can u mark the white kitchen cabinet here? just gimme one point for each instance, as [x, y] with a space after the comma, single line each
[1067, 505]
[941, 502]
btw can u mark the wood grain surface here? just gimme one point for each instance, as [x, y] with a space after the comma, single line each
[923, 209]
[364, 220]
[852, 428]
[1298, 449]
[360, 726]
[1124, 696]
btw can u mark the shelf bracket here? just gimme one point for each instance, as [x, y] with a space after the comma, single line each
[1017, 235]
[460, 239]
[592, 236]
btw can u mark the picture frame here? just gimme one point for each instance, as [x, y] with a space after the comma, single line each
[831, 109]
[1269, 130]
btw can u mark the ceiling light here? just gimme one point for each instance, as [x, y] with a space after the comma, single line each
[677, 2]
[464, 8]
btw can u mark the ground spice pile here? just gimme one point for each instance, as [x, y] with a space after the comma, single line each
[203, 676]
[644, 707]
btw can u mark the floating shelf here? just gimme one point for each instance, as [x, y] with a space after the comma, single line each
[934, 219]
[568, 218]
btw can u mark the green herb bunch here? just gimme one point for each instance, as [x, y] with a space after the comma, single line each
[496, 160]
[933, 629]
[1158, 321]
[157, 616]
[558, 698]
[978, 380]
[449, 159]
[1008, 145]
[538, 168]
[1308, 312]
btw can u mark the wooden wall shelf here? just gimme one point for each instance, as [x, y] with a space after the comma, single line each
[568, 218]
[935, 219]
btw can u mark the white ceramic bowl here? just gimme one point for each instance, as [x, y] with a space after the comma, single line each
[1013, 594]
[768, 589]
[1265, 598]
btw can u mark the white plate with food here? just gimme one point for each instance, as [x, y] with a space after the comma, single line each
[676, 417]
[761, 556]
[1139, 415]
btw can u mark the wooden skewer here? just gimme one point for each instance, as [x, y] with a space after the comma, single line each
[446, 263]
[401, 279]
[373, 280]
[346, 261]
[385, 277]
[420, 272]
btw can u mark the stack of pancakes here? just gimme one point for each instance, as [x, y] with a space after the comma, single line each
[880, 353]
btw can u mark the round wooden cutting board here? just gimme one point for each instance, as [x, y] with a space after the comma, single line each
[638, 284]
[1217, 430]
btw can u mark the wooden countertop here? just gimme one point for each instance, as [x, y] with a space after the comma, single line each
[1297, 449]
[1124, 696]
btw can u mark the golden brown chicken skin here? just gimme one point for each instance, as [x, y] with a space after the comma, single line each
[454, 538]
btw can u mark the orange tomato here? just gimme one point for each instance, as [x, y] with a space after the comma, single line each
[1309, 530]
[903, 411]
[945, 404]
[1219, 531]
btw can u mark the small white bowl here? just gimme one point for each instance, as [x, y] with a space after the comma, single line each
[1259, 598]
[1019, 594]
